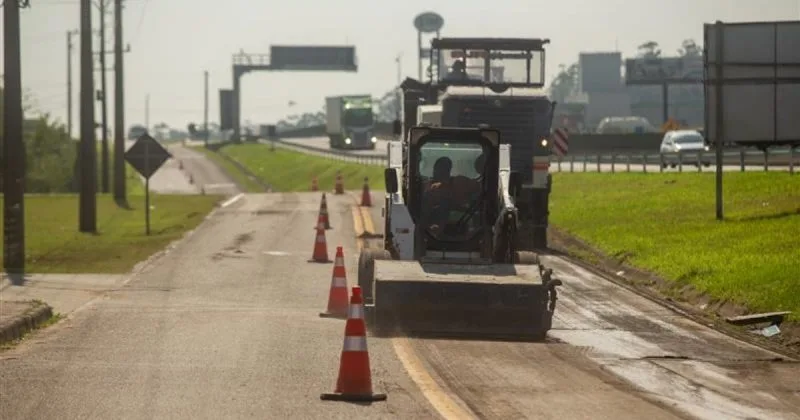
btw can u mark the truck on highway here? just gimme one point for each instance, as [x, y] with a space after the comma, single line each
[350, 122]
[496, 82]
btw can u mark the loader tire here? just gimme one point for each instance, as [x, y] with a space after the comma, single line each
[366, 270]
[526, 258]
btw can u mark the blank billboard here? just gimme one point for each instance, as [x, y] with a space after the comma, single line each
[760, 82]
[313, 58]
[601, 72]
[226, 104]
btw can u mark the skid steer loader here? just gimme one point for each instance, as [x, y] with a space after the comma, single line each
[449, 266]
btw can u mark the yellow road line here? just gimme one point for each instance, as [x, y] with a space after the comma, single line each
[358, 221]
[440, 399]
[369, 227]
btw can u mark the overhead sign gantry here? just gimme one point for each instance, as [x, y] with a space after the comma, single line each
[281, 58]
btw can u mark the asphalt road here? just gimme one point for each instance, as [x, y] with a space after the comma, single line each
[189, 172]
[322, 143]
[226, 325]
[611, 354]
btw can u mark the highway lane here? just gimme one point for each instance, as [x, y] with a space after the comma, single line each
[226, 325]
[611, 354]
[322, 143]
[635, 163]
[188, 172]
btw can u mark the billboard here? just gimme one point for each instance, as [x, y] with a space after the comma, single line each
[648, 71]
[226, 105]
[313, 58]
[760, 83]
[600, 72]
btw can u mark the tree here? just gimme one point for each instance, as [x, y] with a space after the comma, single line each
[565, 83]
[50, 153]
[689, 48]
[649, 50]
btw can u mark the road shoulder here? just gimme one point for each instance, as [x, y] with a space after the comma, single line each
[686, 301]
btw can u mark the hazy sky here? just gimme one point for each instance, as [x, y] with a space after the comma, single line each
[174, 41]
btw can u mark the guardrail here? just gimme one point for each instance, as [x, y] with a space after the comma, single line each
[784, 160]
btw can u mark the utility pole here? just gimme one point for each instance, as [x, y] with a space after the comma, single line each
[120, 195]
[205, 110]
[103, 99]
[87, 157]
[147, 112]
[13, 168]
[69, 80]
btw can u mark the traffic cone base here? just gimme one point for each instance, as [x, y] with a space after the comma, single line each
[333, 396]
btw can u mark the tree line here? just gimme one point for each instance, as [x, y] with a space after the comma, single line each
[49, 150]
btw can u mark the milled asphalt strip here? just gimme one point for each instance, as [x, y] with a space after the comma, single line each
[445, 403]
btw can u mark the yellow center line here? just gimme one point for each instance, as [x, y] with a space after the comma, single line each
[441, 400]
[369, 227]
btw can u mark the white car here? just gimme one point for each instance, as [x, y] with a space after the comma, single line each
[688, 144]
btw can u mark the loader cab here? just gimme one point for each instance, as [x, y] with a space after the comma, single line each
[452, 189]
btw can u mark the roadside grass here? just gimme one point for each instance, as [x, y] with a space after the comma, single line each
[665, 223]
[291, 171]
[240, 178]
[54, 245]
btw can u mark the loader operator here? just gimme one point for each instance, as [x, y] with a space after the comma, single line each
[446, 193]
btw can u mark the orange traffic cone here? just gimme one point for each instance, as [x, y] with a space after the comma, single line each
[366, 199]
[339, 187]
[355, 379]
[323, 213]
[320, 246]
[337, 298]
[314, 184]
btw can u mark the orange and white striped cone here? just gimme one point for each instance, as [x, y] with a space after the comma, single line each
[366, 198]
[339, 187]
[320, 254]
[355, 378]
[314, 184]
[323, 214]
[337, 298]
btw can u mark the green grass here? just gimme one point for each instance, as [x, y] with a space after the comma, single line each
[666, 223]
[240, 178]
[54, 245]
[288, 171]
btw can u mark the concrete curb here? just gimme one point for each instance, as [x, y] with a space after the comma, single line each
[29, 321]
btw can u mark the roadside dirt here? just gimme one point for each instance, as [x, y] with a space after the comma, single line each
[686, 299]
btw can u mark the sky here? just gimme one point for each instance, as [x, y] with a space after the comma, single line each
[174, 41]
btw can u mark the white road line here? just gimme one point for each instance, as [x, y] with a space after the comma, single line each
[232, 200]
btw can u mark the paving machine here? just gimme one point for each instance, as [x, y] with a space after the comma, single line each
[497, 82]
[449, 265]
